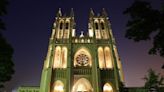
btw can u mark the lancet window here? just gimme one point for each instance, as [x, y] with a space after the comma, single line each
[67, 25]
[60, 57]
[101, 57]
[61, 25]
[96, 26]
[102, 26]
[97, 31]
[104, 57]
[108, 58]
[66, 31]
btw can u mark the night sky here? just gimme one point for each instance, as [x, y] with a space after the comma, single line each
[29, 24]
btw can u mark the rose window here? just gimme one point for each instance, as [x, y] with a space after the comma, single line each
[82, 60]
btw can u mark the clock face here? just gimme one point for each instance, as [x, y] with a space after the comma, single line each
[82, 60]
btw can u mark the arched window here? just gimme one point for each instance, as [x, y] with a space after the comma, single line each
[64, 57]
[107, 88]
[102, 26]
[66, 31]
[57, 58]
[58, 86]
[61, 25]
[66, 25]
[108, 57]
[82, 58]
[101, 57]
[97, 31]
[82, 85]
[60, 59]
[104, 32]
[96, 26]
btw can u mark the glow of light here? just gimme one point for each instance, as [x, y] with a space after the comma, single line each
[81, 87]
[107, 88]
[58, 88]
[90, 33]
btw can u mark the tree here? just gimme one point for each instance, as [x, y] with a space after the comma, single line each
[6, 51]
[146, 23]
[122, 87]
[3, 6]
[153, 81]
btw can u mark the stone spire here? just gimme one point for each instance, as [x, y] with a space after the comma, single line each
[72, 13]
[104, 12]
[59, 14]
[91, 14]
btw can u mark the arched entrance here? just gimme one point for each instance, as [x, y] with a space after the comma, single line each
[58, 86]
[82, 85]
[107, 88]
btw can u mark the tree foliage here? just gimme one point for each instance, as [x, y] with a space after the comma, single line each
[6, 51]
[6, 63]
[146, 23]
[3, 6]
[153, 80]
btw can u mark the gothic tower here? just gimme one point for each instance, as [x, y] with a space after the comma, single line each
[85, 63]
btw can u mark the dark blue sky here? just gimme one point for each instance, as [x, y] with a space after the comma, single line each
[29, 24]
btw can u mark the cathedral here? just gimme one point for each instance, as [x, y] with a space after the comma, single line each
[84, 63]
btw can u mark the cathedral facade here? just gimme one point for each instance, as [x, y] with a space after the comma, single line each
[84, 63]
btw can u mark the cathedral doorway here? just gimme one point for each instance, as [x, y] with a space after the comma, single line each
[82, 85]
[107, 88]
[58, 86]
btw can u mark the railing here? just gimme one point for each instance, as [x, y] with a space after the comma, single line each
[82, 71]
[60, 73]
[82, 40]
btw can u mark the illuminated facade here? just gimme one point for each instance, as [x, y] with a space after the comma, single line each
[85, 63]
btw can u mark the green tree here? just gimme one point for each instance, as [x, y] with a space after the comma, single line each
[6, 51]
[153, 81]
[121, 87]
[146, 23]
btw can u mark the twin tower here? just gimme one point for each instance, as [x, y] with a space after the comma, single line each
[85, 63]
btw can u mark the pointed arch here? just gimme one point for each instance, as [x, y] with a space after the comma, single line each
[104, 32]
[102, 25]
[66, 31]
[64, 57]
[97, 30]
[61, 25]
[60, 29]
[101, 57]
[58, 86]
[96, 26]
[107, 88]
[108, 58]
[82, 85]
[57, 58]
[67, 25]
